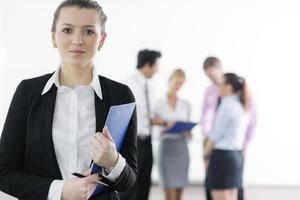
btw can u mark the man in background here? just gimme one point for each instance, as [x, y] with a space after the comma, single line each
[140, 84]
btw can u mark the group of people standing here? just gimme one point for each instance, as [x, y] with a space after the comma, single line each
[228, 119]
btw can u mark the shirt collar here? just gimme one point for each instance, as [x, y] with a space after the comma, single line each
[95, 83]
[141, 77]
[233, 97]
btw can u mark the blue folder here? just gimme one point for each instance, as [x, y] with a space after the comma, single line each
[181, 127]
[117, 122]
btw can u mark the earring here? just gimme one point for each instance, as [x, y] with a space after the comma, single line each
[54, 45]
[99, 48]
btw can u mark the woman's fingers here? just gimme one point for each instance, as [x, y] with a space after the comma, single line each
[103, 149]
[98, 137]
[90, 181]
[106, 133]
[96, 145]
[104, 139]
[170, 124]
[92, 188]
[87, 172]
[94, 152]
[91, 178]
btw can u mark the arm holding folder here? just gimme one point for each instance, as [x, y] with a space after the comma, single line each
[181, 127]
[104, 151]
[174, 127]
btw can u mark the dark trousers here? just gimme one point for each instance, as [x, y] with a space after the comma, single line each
[141, 189]
[240, 191]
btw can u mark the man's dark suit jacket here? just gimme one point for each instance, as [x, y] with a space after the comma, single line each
[28, 162]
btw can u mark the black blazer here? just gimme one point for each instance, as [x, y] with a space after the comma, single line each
[28, 162]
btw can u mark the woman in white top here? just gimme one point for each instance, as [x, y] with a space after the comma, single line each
[173, 156]
[225, 142]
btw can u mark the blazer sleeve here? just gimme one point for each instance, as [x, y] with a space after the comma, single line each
[129, 151]
[14, 178]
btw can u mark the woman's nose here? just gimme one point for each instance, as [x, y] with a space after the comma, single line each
[77, 40]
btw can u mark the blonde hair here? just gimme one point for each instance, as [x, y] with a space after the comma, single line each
[176, 74]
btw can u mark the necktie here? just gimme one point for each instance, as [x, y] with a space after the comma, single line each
[218, 102]
[148, 107]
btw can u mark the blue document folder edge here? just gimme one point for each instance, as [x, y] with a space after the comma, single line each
[180, 127]
[117, 122]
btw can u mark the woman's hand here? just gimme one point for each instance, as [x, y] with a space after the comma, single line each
[206, 164]
[103, 150]
[244, 152]
[169, 124]
[161, 122]
[205, 159]
[208, 149]
[79, 188]
[87, 172]
[188, 134]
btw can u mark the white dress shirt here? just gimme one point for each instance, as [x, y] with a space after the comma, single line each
[136, 83]
[181, 112]
[230, 125]
[73, 128]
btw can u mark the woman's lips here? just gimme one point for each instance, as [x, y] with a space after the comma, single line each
[77, 52]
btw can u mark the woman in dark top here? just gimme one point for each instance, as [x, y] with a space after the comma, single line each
[55, 123]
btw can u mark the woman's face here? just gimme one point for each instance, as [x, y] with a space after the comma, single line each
[176, 83]
[78, 36]
[225, 89]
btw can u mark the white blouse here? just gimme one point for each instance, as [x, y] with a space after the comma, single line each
[181, 112]
[73, 128]
[229, 127]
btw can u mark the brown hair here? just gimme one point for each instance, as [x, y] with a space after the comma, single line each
[210, 61]
[88, 4]
[239, 86]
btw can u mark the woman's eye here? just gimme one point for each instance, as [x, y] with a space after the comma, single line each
[89, 32]
[67, 30]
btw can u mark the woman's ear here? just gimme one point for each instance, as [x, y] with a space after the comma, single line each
[229, 88]
[101, 42]
[53, 39]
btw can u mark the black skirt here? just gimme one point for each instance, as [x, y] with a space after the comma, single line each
[225, 170]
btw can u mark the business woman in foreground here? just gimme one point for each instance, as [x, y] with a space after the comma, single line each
[55, 123]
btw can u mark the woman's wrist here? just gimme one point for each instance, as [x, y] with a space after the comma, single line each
[115, 161]
[206, 157]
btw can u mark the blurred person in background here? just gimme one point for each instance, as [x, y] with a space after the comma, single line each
[212, 67]
[225, 142]
[173, 154]
[143, 90]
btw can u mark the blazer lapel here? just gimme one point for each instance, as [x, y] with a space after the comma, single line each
[100, 112]
[46, 136]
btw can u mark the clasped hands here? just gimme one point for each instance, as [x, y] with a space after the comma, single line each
[103, 152]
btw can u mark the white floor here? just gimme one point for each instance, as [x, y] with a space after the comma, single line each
[197, 193]
[251, 193]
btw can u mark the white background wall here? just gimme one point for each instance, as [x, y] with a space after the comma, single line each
[258, 39]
